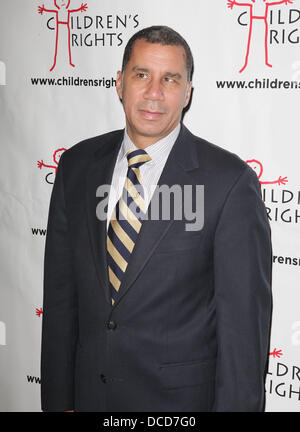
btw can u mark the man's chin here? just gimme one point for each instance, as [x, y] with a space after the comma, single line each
[153, 130]
[156, 135]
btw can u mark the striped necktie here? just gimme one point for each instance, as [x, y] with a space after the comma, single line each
[126, 221]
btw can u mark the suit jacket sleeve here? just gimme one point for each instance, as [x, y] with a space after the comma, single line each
[242, 271]
[59, 328]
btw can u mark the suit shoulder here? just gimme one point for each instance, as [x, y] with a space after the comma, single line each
[217, 157]
[85, 148]
[223, 165]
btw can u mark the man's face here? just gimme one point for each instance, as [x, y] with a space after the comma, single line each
[154, 90]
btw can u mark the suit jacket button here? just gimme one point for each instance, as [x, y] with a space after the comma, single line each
[111, 325]
[103, 378]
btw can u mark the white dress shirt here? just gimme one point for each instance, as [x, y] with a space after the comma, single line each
[150, 171]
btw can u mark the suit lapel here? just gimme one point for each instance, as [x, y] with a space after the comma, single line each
[100, 173]
[182, 158]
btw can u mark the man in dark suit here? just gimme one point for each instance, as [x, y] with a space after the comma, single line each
[155, 314]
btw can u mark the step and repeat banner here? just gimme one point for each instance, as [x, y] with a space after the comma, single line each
[58, 64]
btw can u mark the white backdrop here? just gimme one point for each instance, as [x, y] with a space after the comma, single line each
[253, 113]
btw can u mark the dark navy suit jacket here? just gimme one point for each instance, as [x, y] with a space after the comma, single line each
[189, 330]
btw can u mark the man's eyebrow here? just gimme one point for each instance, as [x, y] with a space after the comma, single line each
[139, 69]
[168, 74]
[173, 75]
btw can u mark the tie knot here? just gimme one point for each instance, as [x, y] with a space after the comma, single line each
[136, 158]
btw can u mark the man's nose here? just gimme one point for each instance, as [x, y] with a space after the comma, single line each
[154, 90]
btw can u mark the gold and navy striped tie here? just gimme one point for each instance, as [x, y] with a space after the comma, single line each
[126, 221]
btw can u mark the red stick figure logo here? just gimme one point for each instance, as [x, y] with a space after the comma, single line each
[258, 168]
[62, 13]
[276, 353]
[56, 156]
[39, 311]
[255, 13]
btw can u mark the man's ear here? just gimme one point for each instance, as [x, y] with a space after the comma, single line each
[119, 85]
[188, 94]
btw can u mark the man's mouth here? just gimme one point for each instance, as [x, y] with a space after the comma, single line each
[151, 115]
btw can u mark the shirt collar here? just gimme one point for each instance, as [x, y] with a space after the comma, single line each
[157, 151]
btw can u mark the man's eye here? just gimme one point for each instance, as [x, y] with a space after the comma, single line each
[142, 75]
[169, 79]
